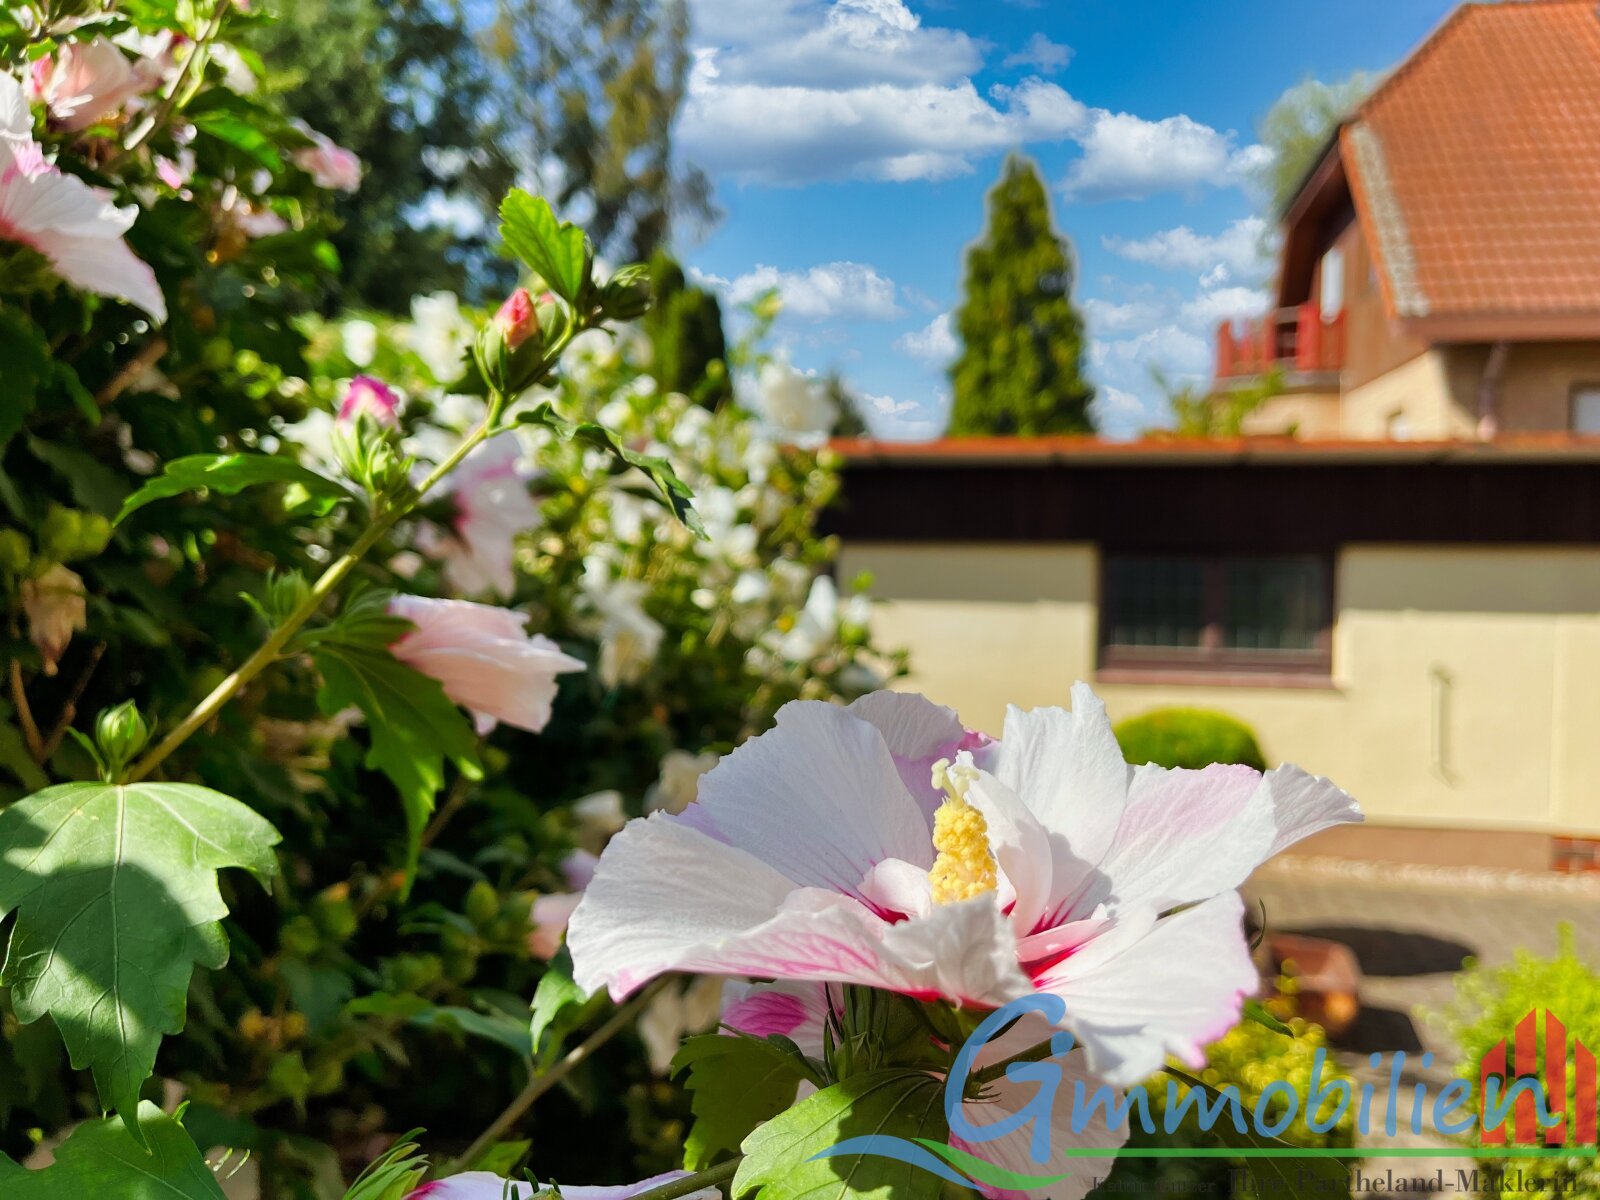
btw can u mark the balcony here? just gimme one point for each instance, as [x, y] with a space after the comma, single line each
[1298, 341]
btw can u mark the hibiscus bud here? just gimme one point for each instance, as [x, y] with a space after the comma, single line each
[485, 659]
[510, 348]
[56, 609]
[120, 733]
[66, 534]
[517, 321]
[366, 395]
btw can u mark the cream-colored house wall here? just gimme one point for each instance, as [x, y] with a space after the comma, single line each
[1421, 390]
[1466, 688]
[1305, 414]
[1438, 390]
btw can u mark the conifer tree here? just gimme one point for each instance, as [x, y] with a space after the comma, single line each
[1020, 371]
[690, 350]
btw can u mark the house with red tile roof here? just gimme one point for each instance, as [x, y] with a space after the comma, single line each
[1440, 266]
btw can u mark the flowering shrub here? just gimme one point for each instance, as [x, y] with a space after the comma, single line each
[407, 622]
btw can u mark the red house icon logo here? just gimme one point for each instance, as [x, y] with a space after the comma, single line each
[1576, 1110]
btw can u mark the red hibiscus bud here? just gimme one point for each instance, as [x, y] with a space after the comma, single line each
[516, 319]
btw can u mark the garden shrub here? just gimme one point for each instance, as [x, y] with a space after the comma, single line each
[1188, 737]
[393, 938]
[1488, 1004]
[1248, 1057]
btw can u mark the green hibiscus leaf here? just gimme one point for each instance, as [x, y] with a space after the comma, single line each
[231, 474]
[101, 1159]
[452, 1020]
[559, 1007]
[115, 893]
[413, 724]
[673, 491]
[557, 250]
[735, 1083]
[778, 1162]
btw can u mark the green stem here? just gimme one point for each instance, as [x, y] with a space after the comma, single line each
[169, 102]
[267, 653]
[689, 1184]
[542, 1083]
[997, 1070]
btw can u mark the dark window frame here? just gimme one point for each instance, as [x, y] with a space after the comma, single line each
[1212, 662]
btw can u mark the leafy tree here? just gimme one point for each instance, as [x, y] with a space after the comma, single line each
[686, 335]
[1298, 126]
[1021, 365]
[594, 87]
[405, 85]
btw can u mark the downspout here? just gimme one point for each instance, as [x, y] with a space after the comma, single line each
[1489, 391]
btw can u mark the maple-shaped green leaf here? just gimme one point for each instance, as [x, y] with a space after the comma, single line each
[557, 250]
[779, 1162]
[414, 726]
[230, 474]
[115, 893]
[101, 1159]
[735, 1083]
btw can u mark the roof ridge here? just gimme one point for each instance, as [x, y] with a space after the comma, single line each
[1457, 16]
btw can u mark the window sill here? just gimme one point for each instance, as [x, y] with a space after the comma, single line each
[1314, 681]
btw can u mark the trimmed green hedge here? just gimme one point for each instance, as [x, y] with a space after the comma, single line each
[1188, 737]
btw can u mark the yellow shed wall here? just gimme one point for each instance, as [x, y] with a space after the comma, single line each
[1465, 689]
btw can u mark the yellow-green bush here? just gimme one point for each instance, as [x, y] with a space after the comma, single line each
[1188, 737]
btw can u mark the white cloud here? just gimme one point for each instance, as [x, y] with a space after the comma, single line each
[1108, 316]
[814, 44]
[888, 406]
[1168, 347]
[934, 343]
[790, 133]
[1209, 308]
[836, 289]
[1128, 157]
[1237, 250]
[1039, 51]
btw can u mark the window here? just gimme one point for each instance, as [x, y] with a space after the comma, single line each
[1331, 299]
[1586, 408]
[1219, 615]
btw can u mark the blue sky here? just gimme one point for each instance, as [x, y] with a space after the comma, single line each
[852, 141]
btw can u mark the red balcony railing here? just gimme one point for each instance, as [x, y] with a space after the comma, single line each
[1290, 339]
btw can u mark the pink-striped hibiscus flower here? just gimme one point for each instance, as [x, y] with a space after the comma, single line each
[883, 844]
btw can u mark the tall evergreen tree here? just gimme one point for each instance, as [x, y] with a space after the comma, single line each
[690, 350]
[1021, 366]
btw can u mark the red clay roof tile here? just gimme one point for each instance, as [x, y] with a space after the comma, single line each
[1476, 165]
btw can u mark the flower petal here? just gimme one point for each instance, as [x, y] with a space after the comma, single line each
[1303, 804]
[1185, 836]
[817, 797]
[1147, 988]
[1069, 770]
[1021, 847]
[1012, 1151]
[918, 733]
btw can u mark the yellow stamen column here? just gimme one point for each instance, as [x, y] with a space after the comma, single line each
[965, 866]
